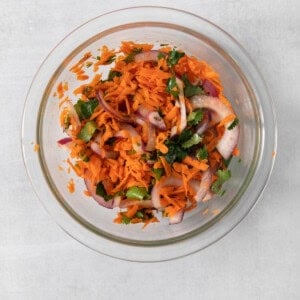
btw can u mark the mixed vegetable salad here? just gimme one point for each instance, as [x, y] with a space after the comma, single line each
[154, 135]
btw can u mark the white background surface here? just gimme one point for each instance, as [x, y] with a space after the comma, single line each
[260, 259]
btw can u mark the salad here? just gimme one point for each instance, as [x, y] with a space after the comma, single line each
[153, 136]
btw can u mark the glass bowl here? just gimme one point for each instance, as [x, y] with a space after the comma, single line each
[92, 224]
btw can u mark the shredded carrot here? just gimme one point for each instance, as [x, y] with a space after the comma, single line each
[137, 124]
[36, 147]
[71, 186]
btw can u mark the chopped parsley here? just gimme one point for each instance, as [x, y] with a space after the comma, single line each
[100, 191]
[85, 109]
[112, 74]
[175, 144]
[233, 124]
[194, 140]
[202, 153]
[172, 87]
[223, 176]
[173, 57]
[158, 173]
[189, 89]
[130, 57]
[195, 117]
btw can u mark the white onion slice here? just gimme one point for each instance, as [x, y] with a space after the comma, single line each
[230, 137]
[151, 55]
[181, 105]
[177, 218]
[203, 186]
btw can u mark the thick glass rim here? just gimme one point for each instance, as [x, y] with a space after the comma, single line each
[148, 252]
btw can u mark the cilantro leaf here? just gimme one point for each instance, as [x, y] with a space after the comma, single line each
[176, 151]
[194, 140]
[202, 153]
[161, 55]
[130, 57]
[172, 87]
[158, 173]
[195, 117]
[112, 74]
[233, 124]
[125, 219]
[189, 89]
[223, 176]
[85, 109]
[100, 191]
[173, 57]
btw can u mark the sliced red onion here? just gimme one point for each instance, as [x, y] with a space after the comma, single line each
[100, 200]
[133, 133]
[117, 201]
[230, 137]
[102, 152]
[142, 203]
[181, 105]
[157, 120]
[151, 138]
[210, 88]
[152, 116]
[64, 143]
[203, 186]
[96, 148]
[151, 55]
[155, 193]
[177, 218]
[204, 124]
[110, 110]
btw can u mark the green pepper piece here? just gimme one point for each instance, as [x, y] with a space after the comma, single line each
[86, 133]
[136, 192]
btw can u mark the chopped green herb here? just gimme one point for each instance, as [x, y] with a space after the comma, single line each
[130, 57]
[173, 57]
[172, 87]
[86, 133]
[195, 117]
[87, 90]
[158, 173]
[233, 124]
[164, 45]
[194, 140]
[112, 74]
[100, 191]
[161, 55]
[239, 161]
[98, 57]
[139, 215]
[202, 153]
[176, 152]
[85, 109]
[125, 219]
[189, 89]
[137, 192]
[111, 59]
[88, 64]
[223, 175]
[227, 161]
